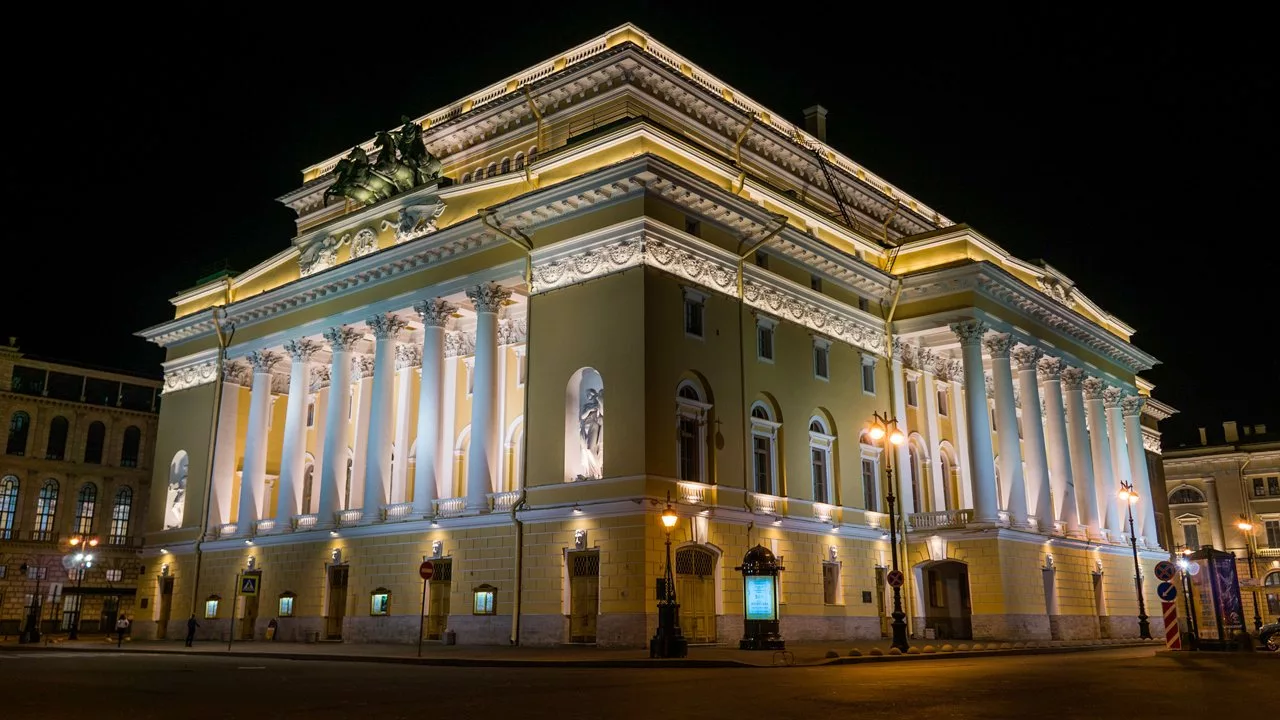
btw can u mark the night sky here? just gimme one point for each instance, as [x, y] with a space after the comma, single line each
[1134, 153]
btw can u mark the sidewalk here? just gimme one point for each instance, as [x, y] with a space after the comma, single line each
[799, 654]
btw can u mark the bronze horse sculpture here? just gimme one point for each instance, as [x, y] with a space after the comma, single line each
[403, 163]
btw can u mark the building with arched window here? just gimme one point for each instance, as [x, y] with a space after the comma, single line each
[63, 469]
[612, 310]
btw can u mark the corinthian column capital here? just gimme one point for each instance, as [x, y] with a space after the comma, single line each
[970, 332]
[1071, 377]
[488, 297]
[435, 312]
[997, 344]
[386, 326]
[301, 349]
[1112, 396]
[1025, 357]
[1131, 405]
[263, 361]
[341, 338]
[1093, 388]
[1050, 368]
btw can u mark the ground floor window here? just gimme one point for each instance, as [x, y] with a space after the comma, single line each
[211, 607]
[380, 602]
[286, 604]
[831, 583]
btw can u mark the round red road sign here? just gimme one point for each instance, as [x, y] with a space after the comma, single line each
[426, 569]
[895, 578]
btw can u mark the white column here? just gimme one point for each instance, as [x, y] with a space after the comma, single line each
[997, 345]
[254, 470]
[955, 375]
[1060, 478]
[1081, 457]
[488, 298]
[224, 456]
[1039, 497]
[377, 476]
[928, 396]
[295, 431]
[362, 378]
[1100, 446]
[1215, 514]
[903, 460]
[320, 390]
[1146, 516]
[981, 458]
[1111, 397]
[435, 315]
[408, 359]
[333, 467]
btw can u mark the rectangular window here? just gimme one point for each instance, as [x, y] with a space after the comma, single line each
[830, 583]
[3, 570]
[36, 573]
[483, 601]
[693, 227]
[760, 447]
[815, 283]
[1259, 487]
[1273, 486]
[1191, 532]
[689, 456]
[1273, 533]
[942, 403]
[210, 609]
[937, 591]
[115, 574]
[821, 355]
[693, 310]
[286, 606]
[868, 378]
[379, 603]
[818, 462]
[870, 495]
[764, 343]
[311, 413]
[762, 260]
[521, 365]
[913, 393]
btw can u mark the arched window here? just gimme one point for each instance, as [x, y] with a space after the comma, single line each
[533, 154]
[506, 165]
[519, 161]
[46, 511]
[94, 441]
[584, 426]
[175, 504]
[346, 493]
[1272, 584]
[1185, 494]
[492, 170]
[951, 493]
[129, 450]
[764, 449]
[308, 484]
[8, 505]
[57, 447]
[917, 476]
[460, 449]
[19, 428]
[514, 455]
[466, 177]
[692, 411]
[86, 502]
[120, 513]
[821, 468]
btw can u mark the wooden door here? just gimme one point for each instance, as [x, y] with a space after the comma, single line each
[438, 590]
[584, 595]
[337, 602]
[248, 617]
[166, 607]
[881, 604]
[696, 593]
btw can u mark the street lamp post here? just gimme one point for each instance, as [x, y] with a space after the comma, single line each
[668, 642]
[1193, 640]
[1128, 494]
[884, 431]
[82, 562]
[1246, 528]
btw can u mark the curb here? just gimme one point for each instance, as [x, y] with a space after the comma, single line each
[618, 663]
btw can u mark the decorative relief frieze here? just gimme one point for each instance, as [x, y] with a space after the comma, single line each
[1057, 290]
[1093, 388]
[190, 376]
[1131, 405]
[435, 312]
[1151, 440]
[922, 360]
[823, 320]
[361, 366]
[320, 376]
[238, 373]
[512, 331]
[279, 384]
[682, 263]
[365, 242]
[408, 355]
[459, 344]
[990, 383]
[488, 297]
[415, 221]
[321, 254]
[590, 263]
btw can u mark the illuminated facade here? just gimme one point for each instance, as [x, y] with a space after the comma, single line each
[1232, 475]
[428, 374]
[76, 464]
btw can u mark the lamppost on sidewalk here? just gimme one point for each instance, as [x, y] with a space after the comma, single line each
[1246, 528]
[668, 642]
[884, 431]
[1130, 496]
[81, 561]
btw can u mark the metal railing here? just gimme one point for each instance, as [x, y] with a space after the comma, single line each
[940, 520]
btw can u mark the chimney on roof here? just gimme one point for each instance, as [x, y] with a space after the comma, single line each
[1204, 437]
[815, 122]
[1229, 429]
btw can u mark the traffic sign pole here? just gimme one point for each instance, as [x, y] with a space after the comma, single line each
[425, 571]
[232, 632]
[1172, 634]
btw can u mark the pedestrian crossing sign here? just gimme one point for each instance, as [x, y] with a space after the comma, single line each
[249, 584]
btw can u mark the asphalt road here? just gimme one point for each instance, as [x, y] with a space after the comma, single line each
[1132, 684]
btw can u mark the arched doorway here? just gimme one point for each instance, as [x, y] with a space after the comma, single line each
[1272, 585]
[696, 592]
[945, 600]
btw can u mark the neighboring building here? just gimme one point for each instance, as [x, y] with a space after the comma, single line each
[1211, 485]
[76, 466]
[404, 380]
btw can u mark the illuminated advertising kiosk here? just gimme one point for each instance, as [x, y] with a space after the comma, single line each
[1216, 589]
[760, 600]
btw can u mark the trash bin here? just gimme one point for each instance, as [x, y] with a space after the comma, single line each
[450, 637]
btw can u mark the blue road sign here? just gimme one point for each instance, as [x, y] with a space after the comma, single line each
[1165, 570]
[1166, 591]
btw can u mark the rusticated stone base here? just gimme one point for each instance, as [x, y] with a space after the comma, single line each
[1011, 627]
[294, 629]
[402, 629]
[543, 630]
[729, 629]
[1074, 627]
[1125, 627]
[481, 629]
[811, 628]
[623, 630]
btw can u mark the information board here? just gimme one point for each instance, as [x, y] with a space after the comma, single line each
[1206, 620]
[761, 598]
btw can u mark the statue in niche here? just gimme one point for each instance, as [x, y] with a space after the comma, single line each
[592, 434]
[175, 500]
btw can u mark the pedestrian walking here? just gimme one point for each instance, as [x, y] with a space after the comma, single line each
[191, 629]
[122, 627]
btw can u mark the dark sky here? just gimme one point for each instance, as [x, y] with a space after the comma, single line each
[1135, 153]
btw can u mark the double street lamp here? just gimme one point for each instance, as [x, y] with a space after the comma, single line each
[884, 432]
[81, 561]
[1246, 528]
[1130, 496]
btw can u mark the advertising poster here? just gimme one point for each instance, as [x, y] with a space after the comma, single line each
[760, 597]
[1230, 608]
[1202, 585]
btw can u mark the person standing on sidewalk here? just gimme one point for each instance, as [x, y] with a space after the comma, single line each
[122, 627]
[191, 629]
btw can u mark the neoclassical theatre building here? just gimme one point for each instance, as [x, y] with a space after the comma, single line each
[505, 332]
